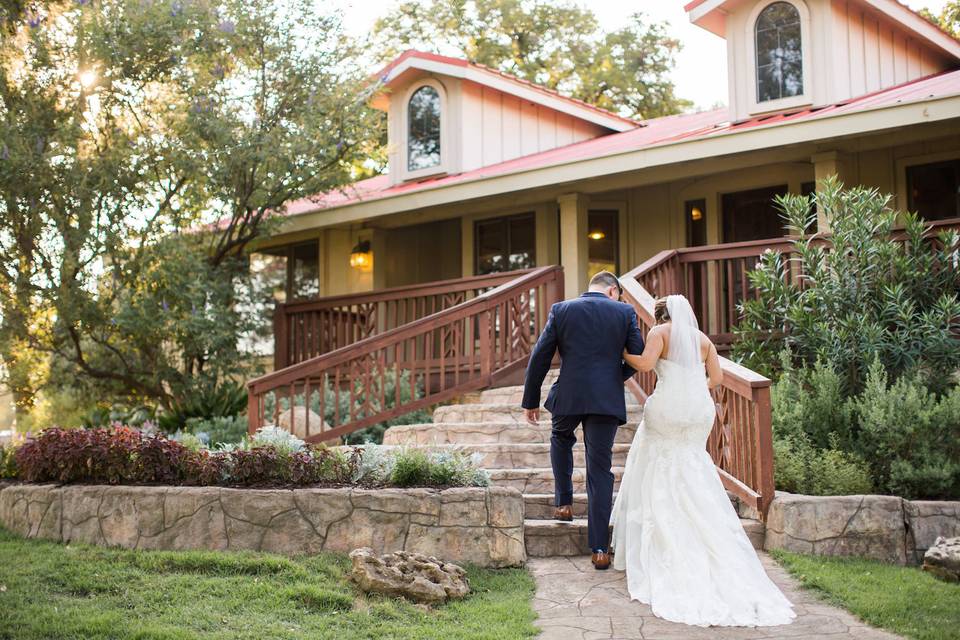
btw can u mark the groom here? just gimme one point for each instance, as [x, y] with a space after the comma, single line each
[590, 333]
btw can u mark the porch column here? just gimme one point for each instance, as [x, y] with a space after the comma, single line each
[826, 164]
[573, 243]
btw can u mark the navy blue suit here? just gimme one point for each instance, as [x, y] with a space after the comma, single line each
[590, 333]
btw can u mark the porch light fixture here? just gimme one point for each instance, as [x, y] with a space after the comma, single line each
[361, 257]
[596, 235]
[696, 214]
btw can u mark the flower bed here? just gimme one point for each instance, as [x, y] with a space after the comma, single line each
[271, 458]
[271, 493]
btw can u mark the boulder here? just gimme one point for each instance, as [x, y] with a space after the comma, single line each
[299, 422]
[413, 576]
[943, 559]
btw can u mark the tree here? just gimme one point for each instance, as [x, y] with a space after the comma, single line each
[948, 19]
[125, 125]
[555, 44]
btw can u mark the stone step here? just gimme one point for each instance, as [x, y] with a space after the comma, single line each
[514, 395]
[540, 480]
[499, 413]
[470, 433]
[549, 538]
[520, 455]
[540, 506]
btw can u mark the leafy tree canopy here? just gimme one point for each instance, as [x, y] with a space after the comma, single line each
[556, 44]
[948, 18]
[125, 125]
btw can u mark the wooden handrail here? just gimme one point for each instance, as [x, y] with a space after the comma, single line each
[308, 328]
[462, 348]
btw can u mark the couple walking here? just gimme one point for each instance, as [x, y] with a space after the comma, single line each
[675, 532]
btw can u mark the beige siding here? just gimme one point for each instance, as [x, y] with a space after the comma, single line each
[422, 253]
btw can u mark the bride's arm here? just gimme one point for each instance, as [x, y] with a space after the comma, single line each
[714, 370]
[650, 355]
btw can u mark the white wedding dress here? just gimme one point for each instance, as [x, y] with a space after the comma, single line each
[675, 532]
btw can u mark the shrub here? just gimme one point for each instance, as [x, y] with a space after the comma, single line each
[218, 430]
[445, 468]
[802, 468]
[205, 400]
[411, 467]
[862, 297]
[911, 437]
[809, 403]
[278, 439]
[74, 455]
[8, 463]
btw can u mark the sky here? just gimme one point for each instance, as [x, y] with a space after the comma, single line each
[700, 74]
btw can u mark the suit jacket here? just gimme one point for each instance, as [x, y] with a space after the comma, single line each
[590, 332]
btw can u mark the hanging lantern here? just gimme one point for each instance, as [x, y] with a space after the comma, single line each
[362, 257]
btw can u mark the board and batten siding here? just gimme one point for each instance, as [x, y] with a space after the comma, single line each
[879, 53]
[498, 127]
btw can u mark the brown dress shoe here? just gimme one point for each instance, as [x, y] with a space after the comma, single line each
[563, 513]
[600, 560]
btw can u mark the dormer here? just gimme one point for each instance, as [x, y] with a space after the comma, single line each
[447, 115]
[788, 54]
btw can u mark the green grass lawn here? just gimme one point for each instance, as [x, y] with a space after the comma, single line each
[50, 590]
[904, 600]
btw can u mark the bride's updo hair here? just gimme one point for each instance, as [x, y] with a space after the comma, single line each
[660, 313]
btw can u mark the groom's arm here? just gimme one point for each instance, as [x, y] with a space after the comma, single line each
[539, 363]
[634, 344]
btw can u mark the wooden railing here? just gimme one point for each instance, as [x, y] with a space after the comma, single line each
[465, 347]
[741, 442]
[715, 278]
[310, 328]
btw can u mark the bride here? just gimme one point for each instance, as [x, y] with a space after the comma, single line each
[675, 532]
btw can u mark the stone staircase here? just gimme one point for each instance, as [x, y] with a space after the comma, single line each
[517, 454]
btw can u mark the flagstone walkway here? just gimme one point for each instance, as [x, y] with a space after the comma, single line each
[576, 602]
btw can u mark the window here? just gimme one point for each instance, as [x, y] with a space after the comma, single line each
[604, 241]
[779, 52]
[505, 244]
[933, 190]
[423, 129]
[752, 215]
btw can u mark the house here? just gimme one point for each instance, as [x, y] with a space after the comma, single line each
[489, 173]
[433, 280]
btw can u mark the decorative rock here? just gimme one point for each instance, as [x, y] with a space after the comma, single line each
[943, 559]
[299, 428]
[411, 575]
[929, 520]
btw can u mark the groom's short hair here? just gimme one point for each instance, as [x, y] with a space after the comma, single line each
[606, 279]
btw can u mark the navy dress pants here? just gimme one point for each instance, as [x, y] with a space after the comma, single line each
[599, 432]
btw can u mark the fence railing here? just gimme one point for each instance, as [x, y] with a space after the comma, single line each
[310, 328]
[741, 442]
[715, 278]
[462, 348]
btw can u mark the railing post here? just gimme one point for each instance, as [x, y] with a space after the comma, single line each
[555, 289]
[764, 453]
[280, 342]
[486, 352]
[253, 411]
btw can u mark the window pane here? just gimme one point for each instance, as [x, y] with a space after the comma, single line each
[934, 190]
[779, 52]
[423, 135]
[523, 243]
[752, 215]
[491, 246]
[305, 276]
[602, 240]
[505, 244]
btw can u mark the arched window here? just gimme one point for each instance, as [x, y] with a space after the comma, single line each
[779, 52]
[423, 129]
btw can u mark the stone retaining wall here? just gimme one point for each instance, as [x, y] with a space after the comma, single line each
[475, 525]
[885, 528]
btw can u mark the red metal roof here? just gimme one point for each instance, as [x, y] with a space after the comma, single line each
[657, 131]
